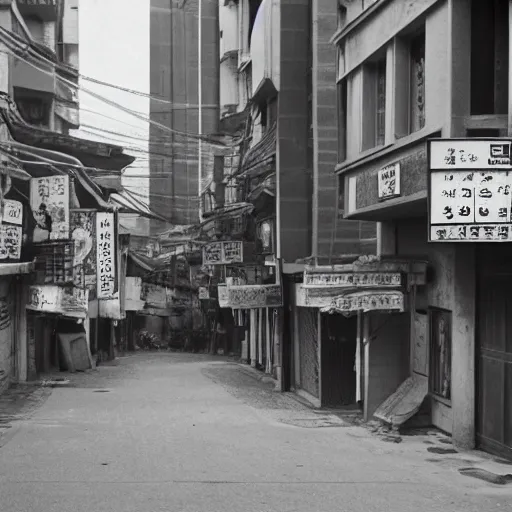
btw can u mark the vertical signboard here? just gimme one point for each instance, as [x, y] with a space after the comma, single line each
[49, 200]
[11, 231]
[106, 254]
[470, 190]
[83, 232]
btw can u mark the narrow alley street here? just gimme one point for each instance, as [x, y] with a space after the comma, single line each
[182, 432]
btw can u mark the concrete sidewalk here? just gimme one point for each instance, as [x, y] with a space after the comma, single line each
[182, 432]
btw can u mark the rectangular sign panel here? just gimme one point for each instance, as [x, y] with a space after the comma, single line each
[351, 279]
[223, 253]
[106, 254]
[470, 202]
[389, 181]
[370, 301]
[49, 200]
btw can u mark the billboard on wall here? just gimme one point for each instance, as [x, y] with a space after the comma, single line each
[470, 190]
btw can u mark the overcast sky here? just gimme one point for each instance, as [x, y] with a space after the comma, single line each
[114, 48]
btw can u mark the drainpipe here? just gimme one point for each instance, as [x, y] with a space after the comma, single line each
[200, 102]
[314, 120]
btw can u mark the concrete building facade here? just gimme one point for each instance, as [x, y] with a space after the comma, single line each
[181, 32]
[408, 72]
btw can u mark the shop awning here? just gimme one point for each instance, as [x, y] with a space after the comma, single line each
[90, 153]
[129, 203]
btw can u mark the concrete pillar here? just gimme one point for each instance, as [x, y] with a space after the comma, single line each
[252, 339]
[319, 327]
[5, 58]
[463, 347]
[21, 335]
[268, 348]
[260, 336]
[296, 346]
[244, 348]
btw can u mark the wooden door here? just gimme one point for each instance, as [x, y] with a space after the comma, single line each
[494, 349]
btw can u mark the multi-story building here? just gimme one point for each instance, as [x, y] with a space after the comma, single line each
[184, 102]
[408, 72]
[277, 192]
[55, 191]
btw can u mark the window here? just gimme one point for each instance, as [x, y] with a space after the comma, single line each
[410, 112]
[440, 332]
[342, 120]
[374, 103]
[417, 81]
[342, 14]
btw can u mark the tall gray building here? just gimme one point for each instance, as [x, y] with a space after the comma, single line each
[174, 86]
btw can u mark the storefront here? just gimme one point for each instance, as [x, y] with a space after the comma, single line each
[357, 343]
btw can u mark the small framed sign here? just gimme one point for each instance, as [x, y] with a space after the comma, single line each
[389, 181]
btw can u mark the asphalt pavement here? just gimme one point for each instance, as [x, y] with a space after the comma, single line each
[180, 432]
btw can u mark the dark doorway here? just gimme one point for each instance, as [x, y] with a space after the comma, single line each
[494, 349]
[338, 352]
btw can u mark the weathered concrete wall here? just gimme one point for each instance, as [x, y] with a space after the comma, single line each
[388, 357]
[294, 178]
[330, 235]
[453, 288]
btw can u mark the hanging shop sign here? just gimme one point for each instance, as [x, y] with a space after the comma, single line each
[223, 296]
[83, 233]
[49, 201]
[351, 279]
[204, 293]
[389, 181]
[222, 253]
[44, 298]
[255, 296]
[371, 300]
[106, 254]
[12, 212]
[470, 191]
[11, 231]
[58, 299]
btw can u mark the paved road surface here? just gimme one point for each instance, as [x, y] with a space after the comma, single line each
[177, 432]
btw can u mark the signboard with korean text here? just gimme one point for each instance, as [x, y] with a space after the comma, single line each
[389, 181]
[351, 279]
[11, 231]
[106, 254]
[222, 253]
[470, 190]
[49, 200]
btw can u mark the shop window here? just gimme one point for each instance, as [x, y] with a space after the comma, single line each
[374, 104]
[440, 332]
